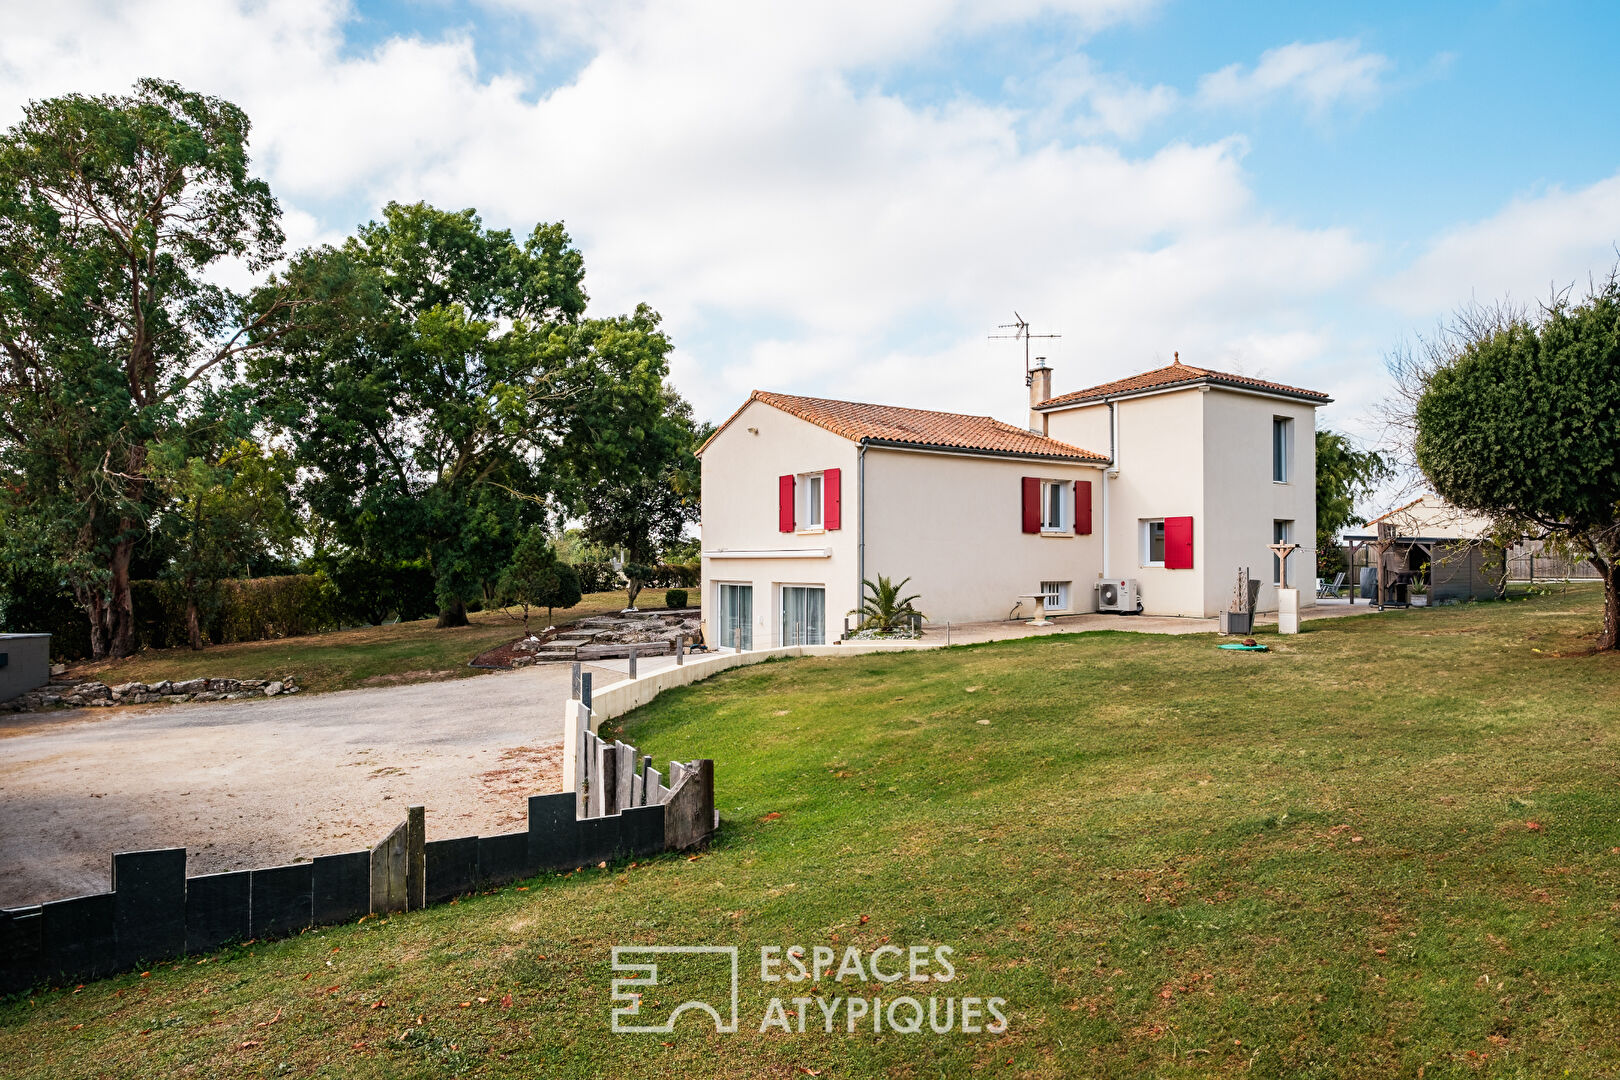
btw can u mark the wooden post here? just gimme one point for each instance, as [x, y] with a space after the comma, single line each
[607, 779]
[632, 661]
[736, 638]
[415, 858]
[585, 689]
[573, 694]
[388, 861]
[680, 649]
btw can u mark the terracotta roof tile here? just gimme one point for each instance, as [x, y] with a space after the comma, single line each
[892, 424]
[1178, 374]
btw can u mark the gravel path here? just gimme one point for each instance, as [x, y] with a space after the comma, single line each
[254, 783]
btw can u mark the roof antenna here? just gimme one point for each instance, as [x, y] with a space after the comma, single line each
[1020, 330]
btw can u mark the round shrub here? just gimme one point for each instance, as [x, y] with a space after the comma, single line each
[675, 598]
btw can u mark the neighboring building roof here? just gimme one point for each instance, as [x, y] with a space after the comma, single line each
[1177, 375]
[1431, 518]
[891, 425]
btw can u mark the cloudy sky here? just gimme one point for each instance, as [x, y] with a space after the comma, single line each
[844, 198]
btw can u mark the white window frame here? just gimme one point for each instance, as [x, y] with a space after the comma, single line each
[1147, 541]
[1285, 424]
[1282, 532]
[1056, 595]
[1065, 490]
[809, 522]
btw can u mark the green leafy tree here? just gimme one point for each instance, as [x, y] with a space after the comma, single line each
[450, 387]
[114, 210]
[221, 517]
[643, 488]
[1344, 476]
[883, 608]
[1524, 426]
[537, 578]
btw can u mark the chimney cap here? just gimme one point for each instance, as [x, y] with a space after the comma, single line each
[1040, 363]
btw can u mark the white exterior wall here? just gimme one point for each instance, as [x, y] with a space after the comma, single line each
[954, 525]
[1203, 452]
[1159, 453]
[740, 475]
[1242, 501]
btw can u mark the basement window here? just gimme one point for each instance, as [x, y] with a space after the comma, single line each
[1055, 595]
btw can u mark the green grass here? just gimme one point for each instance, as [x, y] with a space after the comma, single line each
[345, 659]
[1170, 860]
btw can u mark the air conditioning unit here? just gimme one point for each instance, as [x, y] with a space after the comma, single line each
[1119, 597]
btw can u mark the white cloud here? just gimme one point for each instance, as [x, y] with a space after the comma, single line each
[718, 161]
[1320, 74]
[1532, 246]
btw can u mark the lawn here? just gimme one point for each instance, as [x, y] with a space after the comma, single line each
[1389, 847]
[345, 659]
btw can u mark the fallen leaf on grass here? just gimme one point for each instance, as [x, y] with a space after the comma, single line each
[250, 1044]
[506, 1002]
[1533, 826]
[1355, 839]
[772, 816]
[379, 1004]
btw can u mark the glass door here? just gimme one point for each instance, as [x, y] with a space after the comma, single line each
[804, 615]
[736, 609]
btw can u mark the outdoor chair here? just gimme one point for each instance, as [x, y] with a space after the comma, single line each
[1325, 591]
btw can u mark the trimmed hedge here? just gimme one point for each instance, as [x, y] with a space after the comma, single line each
[601, 577]
[256, 609]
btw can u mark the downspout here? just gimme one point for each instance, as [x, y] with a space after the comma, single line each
[860, 525]
[1113, 468]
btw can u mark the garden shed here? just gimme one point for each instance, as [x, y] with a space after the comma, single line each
[1427, 546]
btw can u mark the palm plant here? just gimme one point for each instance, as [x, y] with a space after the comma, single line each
[884, 609]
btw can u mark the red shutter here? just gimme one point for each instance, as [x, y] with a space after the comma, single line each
[1082, 508]
[1178, 543]
[1032, 504]
[831, 489]
[784, 504]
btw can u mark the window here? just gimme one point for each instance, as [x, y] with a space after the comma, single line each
[810, 501]
[1153, 542]
[1055, 498]
[1055, 595]
[1282, 532]
[1282, 448]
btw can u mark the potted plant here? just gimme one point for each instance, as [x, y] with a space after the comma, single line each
[1239, 617]
[1418, 591]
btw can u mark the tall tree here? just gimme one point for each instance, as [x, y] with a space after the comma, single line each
[438, 403]
[641, 502]
[113, 210]
[1524, 426]
[1345, 475]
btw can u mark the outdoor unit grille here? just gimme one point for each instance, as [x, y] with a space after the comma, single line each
[1117, 596]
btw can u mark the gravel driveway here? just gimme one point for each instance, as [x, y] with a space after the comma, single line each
[254, 783]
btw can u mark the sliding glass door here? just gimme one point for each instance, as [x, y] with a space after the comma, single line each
[735, 605]
[804, 615]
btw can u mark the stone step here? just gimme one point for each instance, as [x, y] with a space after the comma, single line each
[615, 651]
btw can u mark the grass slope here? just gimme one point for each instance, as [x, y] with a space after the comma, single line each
[344, 659]
[1389, 847]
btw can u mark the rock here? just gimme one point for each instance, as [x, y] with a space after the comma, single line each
[176, 699]
[224, 686]
[271, 689]
[252, 684]
[164, 687]
[190, 686]
[292, 690]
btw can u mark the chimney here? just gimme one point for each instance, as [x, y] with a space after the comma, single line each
[1040, 389]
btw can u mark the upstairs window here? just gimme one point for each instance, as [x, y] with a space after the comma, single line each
[810, 501]
[1055, 505]
[1282, 449]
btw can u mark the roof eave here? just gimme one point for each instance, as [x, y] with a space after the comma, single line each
[946, 448]
[1305, 397]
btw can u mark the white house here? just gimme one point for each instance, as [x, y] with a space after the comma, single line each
[1172, 479]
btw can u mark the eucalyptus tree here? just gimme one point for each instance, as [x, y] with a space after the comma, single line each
[116, 211]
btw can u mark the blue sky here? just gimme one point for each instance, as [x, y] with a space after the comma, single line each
[845, 198]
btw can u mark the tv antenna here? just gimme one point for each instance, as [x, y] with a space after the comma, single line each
[1020, 330]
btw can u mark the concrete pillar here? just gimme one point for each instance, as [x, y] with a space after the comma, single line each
[1288, 611]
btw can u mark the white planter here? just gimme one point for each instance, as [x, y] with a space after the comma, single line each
[1420, 601]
